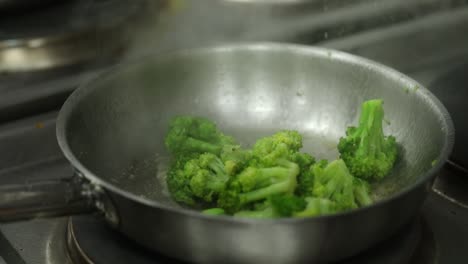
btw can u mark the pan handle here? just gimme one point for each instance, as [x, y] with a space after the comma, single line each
[45, 198]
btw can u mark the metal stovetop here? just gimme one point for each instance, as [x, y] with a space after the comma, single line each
[30, 151]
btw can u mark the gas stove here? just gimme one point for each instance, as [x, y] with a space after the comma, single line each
[31, 97]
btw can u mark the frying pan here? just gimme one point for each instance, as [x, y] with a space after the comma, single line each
[112, 128]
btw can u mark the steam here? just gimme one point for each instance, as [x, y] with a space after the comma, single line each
[180, 24]
[195, 23]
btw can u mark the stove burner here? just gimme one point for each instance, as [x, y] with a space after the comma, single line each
[66, 33]
[90, 241]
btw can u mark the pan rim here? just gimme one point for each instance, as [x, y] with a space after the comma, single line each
[87, 87]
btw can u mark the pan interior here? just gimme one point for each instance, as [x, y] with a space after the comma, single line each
[117, 126]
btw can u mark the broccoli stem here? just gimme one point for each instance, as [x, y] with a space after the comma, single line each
[263, 193]
[218, 167]
[203, 146]
[288, 164]
[265, 213]
[370, 128]
[265, 176]
[316, 206]
[274, 173]
[287, 185]
[362, 196]
[213, 211]
[220, 177]
[216, 184]
[230, 166]
[334, 185]
[339, 178]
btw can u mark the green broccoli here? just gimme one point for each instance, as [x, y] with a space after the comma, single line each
[276, 206]
[270, 171]
[196, 134]
[305, 180]
[235, 159]
[178, 181]
[255, 184]
[273, 179]
[285, 205]
[281, 145]
[209, 177]
[254, 178]
[304, 160]
[334, 182]
[260, 213]
[367, 152]
[316, 207]
[199, 178]
[261, 209]
[361, 192]
[214, 211]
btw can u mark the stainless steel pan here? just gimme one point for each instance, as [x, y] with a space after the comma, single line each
[112, 129]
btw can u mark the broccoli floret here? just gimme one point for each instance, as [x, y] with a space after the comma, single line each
[232, 198]
[334, 182]
[304, 160]
[271, 180]
[196, 135]
[305, 180]
[235, 159]
[178, 181]
[270, 171]
[276, 206]
[197, 178]
[208, 176]
[255, 184]
[316, 207]
[285, 205]
[281, 145]
[305, 183]
[367, 152]
[253, 178]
